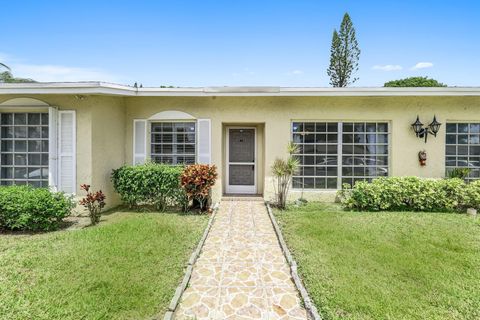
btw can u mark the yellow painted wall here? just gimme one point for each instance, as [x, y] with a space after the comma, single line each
[108, 143]
[277, 113]
[105, 126]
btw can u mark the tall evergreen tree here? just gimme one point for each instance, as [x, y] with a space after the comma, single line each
[344, 54]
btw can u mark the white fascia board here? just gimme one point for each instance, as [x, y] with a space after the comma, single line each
[170, 92]
[305, 92]
[382, 91]
[67, 88]
[102, 88]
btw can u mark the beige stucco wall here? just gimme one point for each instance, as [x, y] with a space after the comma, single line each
[108, 143]
[100, 137]
[276, 113]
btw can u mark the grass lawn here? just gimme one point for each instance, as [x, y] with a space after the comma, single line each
[386, 265]
[125, 268]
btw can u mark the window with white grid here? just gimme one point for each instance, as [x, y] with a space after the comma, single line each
[24, 149]
[173, 142]
[317, 144]
[462, 148]
[364, 151]
[333, 153]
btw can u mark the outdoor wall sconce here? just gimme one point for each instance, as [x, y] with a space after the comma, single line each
[422, 158]
[423, 132]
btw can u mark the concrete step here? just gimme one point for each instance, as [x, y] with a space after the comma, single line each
[243, 197]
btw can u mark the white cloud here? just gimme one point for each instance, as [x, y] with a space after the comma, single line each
[422, 65]
[387, 67]
[244, 73]
[295, 72]
[56, 73]
[4, 57]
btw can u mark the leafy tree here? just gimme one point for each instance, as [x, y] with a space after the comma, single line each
[414, 82]
[344, 54]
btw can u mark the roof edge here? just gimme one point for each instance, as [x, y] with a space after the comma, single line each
[104, 88]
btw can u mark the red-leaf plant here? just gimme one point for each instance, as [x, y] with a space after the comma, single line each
[94, 201]
[197, 180]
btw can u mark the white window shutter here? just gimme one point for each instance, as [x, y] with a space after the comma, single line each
[204, 143]
[52, 148]
[139, 141]
[67, 151]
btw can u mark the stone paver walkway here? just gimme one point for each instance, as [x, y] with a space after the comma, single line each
[241, 272]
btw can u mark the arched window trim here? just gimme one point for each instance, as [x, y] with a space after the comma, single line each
[171, 115]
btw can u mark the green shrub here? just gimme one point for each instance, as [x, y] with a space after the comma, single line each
[460, 173]
[406, 194]
[283, 171]
[473, 195]
[149, 184]
[30, 209]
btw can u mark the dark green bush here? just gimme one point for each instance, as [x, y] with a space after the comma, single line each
[150, 184]
[414, 82]
[30, 209]
[409, 194]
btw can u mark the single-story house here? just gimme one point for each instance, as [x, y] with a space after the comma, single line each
[64, 134]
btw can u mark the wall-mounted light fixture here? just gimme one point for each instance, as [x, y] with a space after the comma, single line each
[423, 132]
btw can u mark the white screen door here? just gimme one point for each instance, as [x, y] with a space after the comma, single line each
[241, 160]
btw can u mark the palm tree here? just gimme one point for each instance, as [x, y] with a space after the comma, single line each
[4, 66]
[7, 76]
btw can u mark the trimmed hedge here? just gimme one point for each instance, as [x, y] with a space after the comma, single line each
[32, 209]
[150, 184]
[411, 194]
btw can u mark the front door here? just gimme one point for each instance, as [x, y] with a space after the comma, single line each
[241, 160]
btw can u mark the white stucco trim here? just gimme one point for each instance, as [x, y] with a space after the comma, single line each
[102, 88]
[171, 115]
[53, 148]
[24, 102]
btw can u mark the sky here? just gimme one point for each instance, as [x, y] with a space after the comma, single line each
[237, 43]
